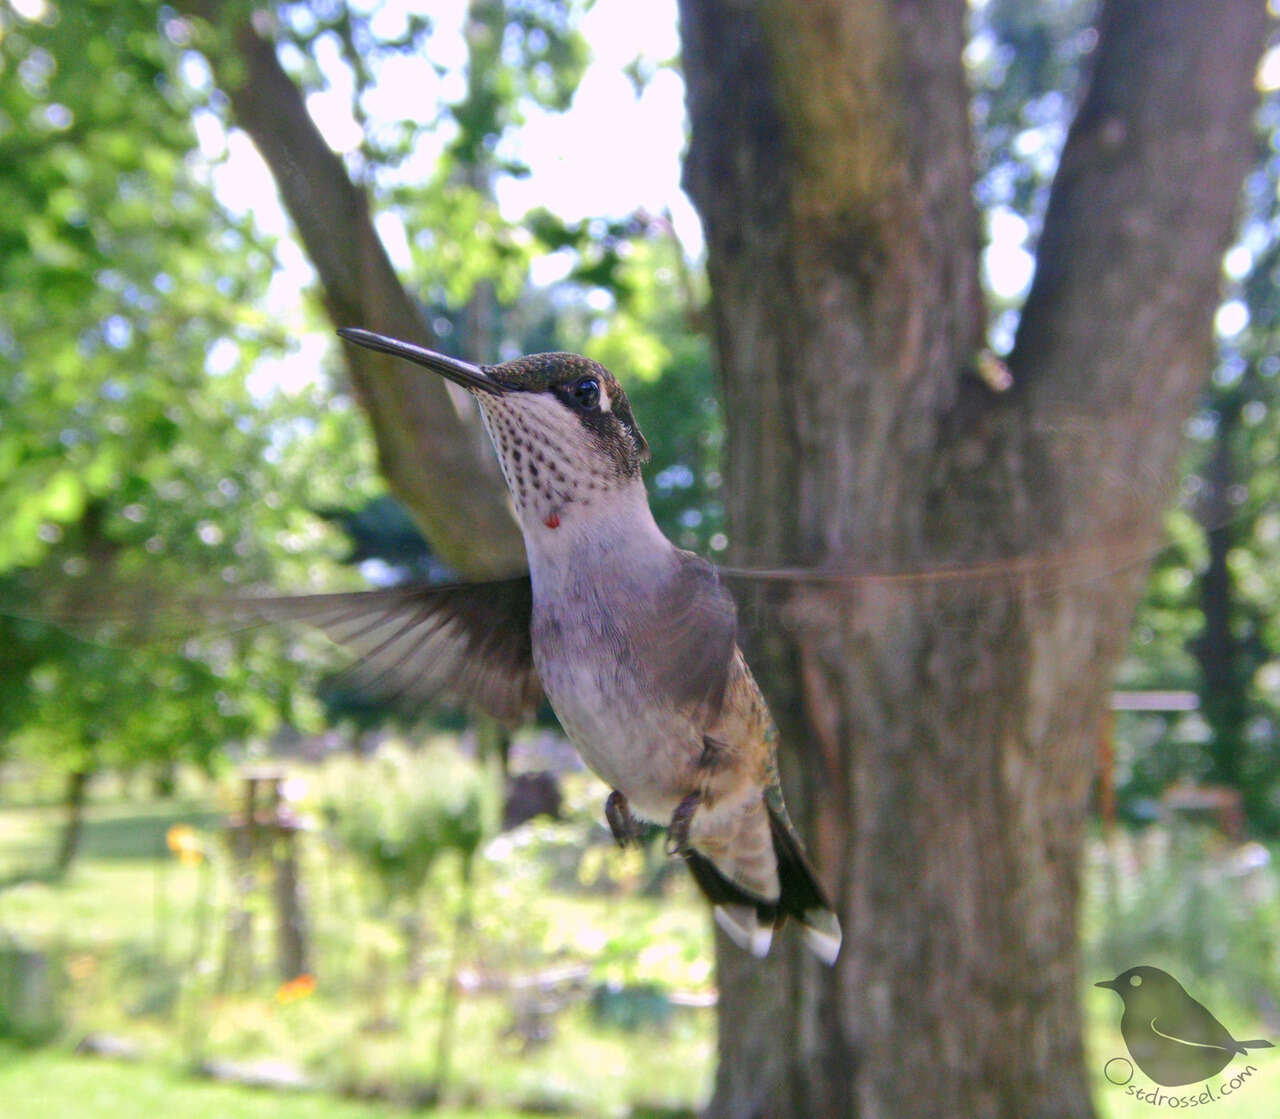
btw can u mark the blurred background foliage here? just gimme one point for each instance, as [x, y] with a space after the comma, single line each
[154, 431]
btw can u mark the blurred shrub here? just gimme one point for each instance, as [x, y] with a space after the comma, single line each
[401, 810]
[1186, 900]
[31, 1004]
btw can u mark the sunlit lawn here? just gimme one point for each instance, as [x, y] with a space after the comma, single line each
[126, 927]
[1208, 912]
[1257, 1098]
[139, 936]
[52, 1083]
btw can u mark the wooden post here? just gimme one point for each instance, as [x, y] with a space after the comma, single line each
[237, 952]
[291, 922]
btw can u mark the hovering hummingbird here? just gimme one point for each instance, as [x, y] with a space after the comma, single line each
[631, 639]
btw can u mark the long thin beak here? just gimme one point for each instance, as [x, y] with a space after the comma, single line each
[459, 372]
[1109, 984]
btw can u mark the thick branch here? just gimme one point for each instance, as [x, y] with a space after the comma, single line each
[1141, 210]
[437, 462]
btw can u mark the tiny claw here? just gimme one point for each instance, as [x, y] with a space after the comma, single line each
[678, 829]
[714, 754]
[621, 822]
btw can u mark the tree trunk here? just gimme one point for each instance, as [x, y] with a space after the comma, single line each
[164, 780]
[1219, 649]
[73, 826]
[939, 732]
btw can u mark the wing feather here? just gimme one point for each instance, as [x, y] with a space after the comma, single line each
[468, 641]
[690, 639]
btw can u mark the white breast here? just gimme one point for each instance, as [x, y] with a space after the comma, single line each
[589, 580]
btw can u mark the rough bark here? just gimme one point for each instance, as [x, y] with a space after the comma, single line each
[430, 445]
[939, 733]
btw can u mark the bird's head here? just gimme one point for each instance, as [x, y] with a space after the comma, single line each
[561, 423]
[1142, 982]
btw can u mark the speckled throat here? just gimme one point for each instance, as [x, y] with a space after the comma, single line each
[547, 459]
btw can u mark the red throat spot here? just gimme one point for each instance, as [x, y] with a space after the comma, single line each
[552, 520]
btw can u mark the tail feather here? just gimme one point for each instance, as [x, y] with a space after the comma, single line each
[743, 925]
[1255, 1043]
[802, 897]
[749, 920]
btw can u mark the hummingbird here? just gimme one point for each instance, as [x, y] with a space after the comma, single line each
[1173, 1038]
[632, 640]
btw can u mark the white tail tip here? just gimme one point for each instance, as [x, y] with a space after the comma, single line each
[822, 934]
[743, 927]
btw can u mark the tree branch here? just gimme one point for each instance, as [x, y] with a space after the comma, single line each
[436, 460]
[1156, 147]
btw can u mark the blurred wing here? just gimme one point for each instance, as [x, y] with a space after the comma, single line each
[468, 641]
[692, 638]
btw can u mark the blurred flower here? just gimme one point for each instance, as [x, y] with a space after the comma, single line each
[297, 988]
[82, 966]
[183, 842]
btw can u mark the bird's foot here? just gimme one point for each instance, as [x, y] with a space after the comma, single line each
[625, 827]
[678, 829]
[714, 754]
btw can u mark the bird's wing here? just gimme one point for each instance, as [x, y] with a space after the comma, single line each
[1189, 1042]
[688, 638]
[468, 641]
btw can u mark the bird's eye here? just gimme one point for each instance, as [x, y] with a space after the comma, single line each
[586, 393]
[1135, 981]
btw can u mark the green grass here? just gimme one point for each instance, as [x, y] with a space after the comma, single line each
[45, 1083]
[1256, 1099]
[125, 928]
[1205, 911]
